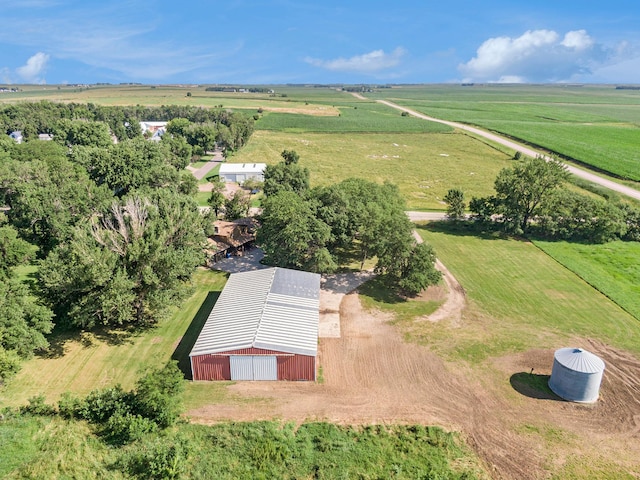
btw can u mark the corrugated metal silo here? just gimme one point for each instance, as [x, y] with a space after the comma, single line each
[576, 375]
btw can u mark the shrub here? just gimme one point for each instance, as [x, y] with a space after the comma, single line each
[100, 405]
[38, 406]
[122, 428]
[159, 460]
[70, 406]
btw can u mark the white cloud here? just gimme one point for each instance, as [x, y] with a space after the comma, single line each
[371, 62]
[578, 39]
[34, 69]
[535, 56]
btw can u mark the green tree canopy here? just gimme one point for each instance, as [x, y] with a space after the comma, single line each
[287, 175]
[128, 265]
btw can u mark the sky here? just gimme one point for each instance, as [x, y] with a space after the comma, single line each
[323, 41]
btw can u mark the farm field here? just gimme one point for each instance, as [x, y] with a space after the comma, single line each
[612, 268]
[594, 125]
[424, 166]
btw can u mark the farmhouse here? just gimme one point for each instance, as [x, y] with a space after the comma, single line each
[17, 136]
[239, 172]
[264, 326]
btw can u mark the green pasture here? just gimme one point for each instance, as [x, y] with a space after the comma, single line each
[612, 268]
[81, 362]
[596, 125]
[519, 298]
[353, 117]
[424, 166]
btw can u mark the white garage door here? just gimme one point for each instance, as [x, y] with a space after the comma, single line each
[253, 367]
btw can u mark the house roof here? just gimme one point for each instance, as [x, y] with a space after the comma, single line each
[273, 309]
[242, 168]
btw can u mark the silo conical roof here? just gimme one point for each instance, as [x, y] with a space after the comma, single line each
[579, 360]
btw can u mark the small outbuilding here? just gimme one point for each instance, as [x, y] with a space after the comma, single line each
[264, 326]
[576, 375]
[240, 172]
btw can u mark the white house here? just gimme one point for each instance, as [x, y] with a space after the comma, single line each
[17, 136]
[240, 172]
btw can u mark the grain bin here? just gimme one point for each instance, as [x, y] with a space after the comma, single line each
[576, 375]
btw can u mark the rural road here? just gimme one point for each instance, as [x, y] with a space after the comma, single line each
[210, 165]
[578, 172]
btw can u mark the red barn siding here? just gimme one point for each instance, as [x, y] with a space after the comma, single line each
[210, 367]
[297, 367]
[290, 367]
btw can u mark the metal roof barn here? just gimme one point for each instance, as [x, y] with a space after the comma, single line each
[576, 375]
[240, 172]
[272, 313]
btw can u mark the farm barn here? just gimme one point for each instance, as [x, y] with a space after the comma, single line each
[239, 172]
[264, 326]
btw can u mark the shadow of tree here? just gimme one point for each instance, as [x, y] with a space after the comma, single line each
[533, 385]
[61, 335]
[469, 228]
[182, 351]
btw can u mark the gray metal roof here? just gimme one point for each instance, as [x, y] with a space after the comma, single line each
[273, 308]
[242, 168]
[579, 360]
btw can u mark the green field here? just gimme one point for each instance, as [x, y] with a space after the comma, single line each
[424, 166]
[612, 268]
[353, 117]
[595, 125]
[520, 299]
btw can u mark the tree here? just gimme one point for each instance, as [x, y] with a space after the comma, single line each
[216, 199]
[522, 190]
[455, 204]
[292, 236]
[48, 197]
[417, 270]
[82, 132]
[286, 175]
[128, 265]
[237, 206]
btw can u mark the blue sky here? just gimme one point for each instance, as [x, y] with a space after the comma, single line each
[300, 41]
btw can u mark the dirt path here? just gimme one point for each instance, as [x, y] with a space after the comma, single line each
[578, 172]
[210, 165]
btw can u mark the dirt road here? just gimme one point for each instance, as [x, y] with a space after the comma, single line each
[578, 172]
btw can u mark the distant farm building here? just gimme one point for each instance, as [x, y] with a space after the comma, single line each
[240, 172]
[576, 375]
[152, 127]
[45, 137]
[264, 326]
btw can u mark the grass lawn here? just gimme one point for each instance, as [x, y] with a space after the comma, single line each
[423, 165]
[612, 268]
[519, 299]
[82, 362]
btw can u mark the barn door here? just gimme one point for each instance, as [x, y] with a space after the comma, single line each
[241, 367]
[265, 367]
[253, 367]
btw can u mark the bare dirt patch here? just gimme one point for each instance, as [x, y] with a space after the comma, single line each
[372, 376]
[320, 111]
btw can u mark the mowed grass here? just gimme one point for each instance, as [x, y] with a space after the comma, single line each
[519, 299]
[596, 125]
[424, 166]
[613, 268]
[83, 362]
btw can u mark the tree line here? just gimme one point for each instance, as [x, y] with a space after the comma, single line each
[113, 227]
[533, 198]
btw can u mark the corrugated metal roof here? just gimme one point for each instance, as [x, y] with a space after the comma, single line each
[579, 360]
[242, 168]
[273, 308]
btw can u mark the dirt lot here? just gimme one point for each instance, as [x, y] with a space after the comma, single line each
[372, 376]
